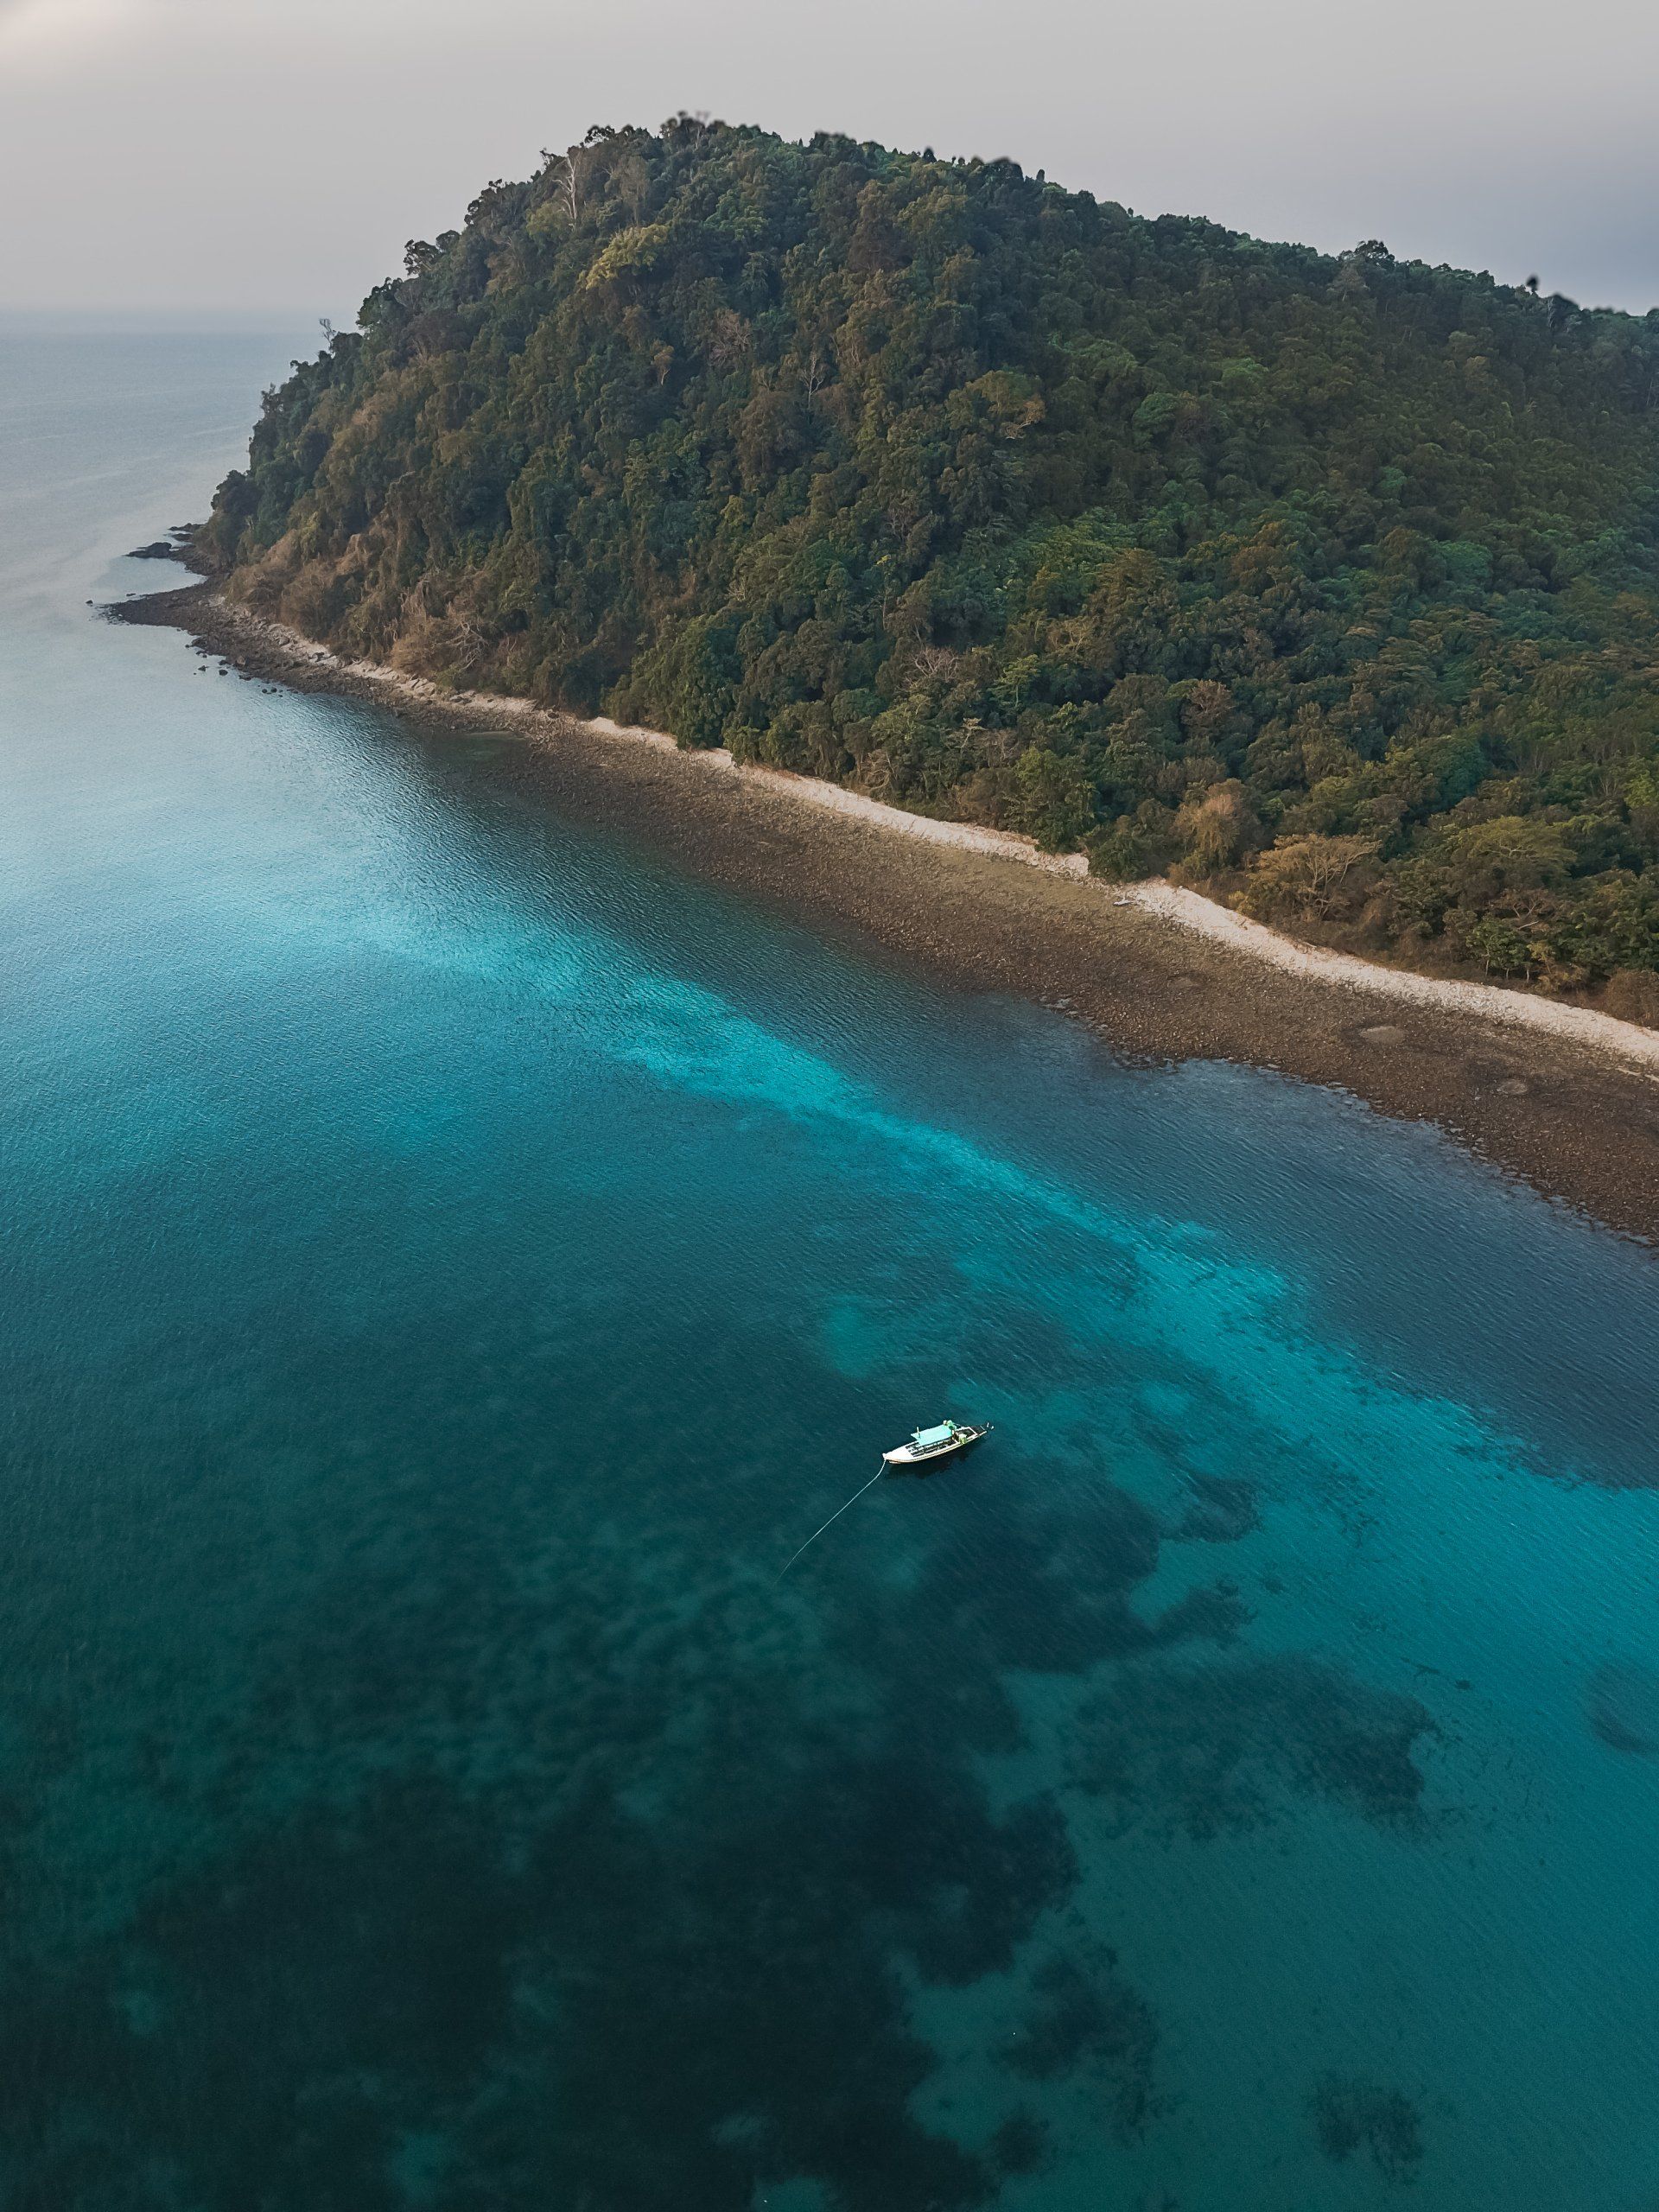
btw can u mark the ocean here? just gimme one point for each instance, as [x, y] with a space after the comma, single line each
[451, 1260]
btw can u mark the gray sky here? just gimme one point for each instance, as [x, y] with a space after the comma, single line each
[272, 157]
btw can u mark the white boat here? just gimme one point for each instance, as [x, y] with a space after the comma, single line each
[929, 1445]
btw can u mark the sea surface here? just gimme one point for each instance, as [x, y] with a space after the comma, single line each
[450, 1262]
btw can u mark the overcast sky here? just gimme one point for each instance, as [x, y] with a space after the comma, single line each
[270, 157]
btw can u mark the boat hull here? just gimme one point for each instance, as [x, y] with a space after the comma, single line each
[907, 1459]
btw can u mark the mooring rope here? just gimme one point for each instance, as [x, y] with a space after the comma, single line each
[833, 1517]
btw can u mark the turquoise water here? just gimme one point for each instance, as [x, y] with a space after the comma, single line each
[450, 1263]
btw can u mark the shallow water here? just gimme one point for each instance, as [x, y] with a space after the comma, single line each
[451, 1262]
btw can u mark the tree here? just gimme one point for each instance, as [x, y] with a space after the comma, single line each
[1055, 799]
[1310, 877]
[1217, 827]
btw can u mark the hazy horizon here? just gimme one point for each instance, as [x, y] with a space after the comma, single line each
[167, 157]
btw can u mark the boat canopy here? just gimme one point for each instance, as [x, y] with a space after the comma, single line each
[941, 1434]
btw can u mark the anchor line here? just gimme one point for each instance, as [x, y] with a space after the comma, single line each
[833, 1517]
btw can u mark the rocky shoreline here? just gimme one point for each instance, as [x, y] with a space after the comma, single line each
[1573, 1109]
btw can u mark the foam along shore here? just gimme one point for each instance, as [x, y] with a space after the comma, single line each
[1584, 1027]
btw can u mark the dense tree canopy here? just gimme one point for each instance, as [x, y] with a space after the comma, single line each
[1330, 582]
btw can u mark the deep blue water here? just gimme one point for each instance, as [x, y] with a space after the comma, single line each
[450, 1262]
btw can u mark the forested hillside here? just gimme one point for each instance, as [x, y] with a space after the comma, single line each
[1329, 584]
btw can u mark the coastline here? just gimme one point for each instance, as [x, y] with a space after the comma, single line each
[1565, 1096]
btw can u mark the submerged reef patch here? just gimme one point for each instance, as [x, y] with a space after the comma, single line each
[1019, 2145]
[1351, 2115]
[1622, 1705]
[1223, 1510]
[1213, 1614]
[581, 2026]
[1043, 1591]
[1083, 2014]
[1202, 1749]
[522, 1860]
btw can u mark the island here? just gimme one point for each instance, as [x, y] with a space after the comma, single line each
[1322, 587]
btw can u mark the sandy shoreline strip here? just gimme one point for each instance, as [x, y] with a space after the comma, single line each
[1561, 1096]
[1578, 1024]
[1591, 1031]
